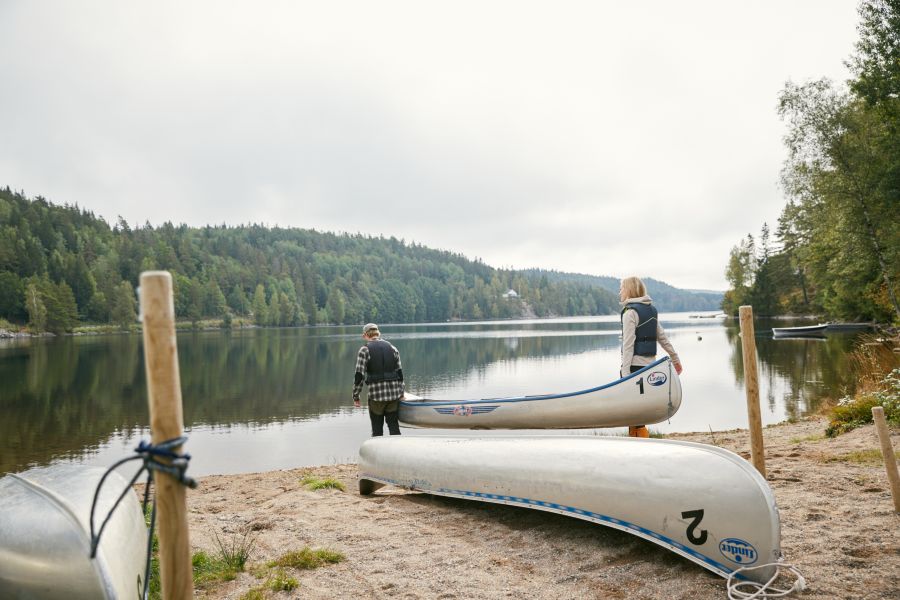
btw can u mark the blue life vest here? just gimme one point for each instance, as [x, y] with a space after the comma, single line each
[383, 365]
[645, 332]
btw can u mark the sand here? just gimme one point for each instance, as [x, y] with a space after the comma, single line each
[838, 527]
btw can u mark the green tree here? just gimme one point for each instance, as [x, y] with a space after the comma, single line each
[12, 297]
[123, 306]
[336, 305]
[34, 304]
[260, 308]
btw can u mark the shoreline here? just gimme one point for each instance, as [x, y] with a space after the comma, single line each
[837, 519]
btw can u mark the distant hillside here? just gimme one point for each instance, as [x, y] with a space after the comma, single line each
[665, 297]
[62, 265]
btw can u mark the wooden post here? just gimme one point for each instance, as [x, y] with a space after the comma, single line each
[166, 422]
[887, 451]
[751, 381]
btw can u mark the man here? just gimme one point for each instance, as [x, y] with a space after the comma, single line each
[378, 365]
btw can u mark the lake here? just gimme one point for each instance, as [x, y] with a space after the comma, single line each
[263, 399]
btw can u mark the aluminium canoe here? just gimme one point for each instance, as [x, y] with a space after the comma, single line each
[702, 502]
[648, 396]
[45, 536]
[813, 330]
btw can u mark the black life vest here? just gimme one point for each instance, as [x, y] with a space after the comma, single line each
[383, 365]
[645, 332]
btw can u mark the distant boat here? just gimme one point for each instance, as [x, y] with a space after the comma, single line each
[705, 503]
[648, 396]
[45, 536]
[809, 330]
[716, 316]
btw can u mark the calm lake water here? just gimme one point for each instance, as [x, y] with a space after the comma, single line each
[263, 399]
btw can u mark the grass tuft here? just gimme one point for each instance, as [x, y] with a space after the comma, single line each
[818, 437]
[229, 560]
[860, 457]
[280, 581]
[307, 558]
[317, 483]
[257, 593]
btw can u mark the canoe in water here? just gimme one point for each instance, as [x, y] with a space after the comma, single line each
[648, 396]
[702, 502]
[808, 330]
[45, 536]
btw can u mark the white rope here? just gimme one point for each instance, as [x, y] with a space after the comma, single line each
[763, 590]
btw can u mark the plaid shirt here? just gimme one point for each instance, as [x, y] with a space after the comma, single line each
[379, 391]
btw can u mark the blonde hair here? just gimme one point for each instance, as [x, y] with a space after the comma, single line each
[633, 287]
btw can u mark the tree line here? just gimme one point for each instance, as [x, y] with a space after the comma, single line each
[61, 266]
[836, 248]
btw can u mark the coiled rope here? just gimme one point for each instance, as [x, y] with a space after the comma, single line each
[763, 590]
[150, 455]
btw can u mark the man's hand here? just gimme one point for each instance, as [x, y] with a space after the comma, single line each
[356, 402]
[678, 368]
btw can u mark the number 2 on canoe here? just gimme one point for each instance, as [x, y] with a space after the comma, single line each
[697, 516]
[640, 384]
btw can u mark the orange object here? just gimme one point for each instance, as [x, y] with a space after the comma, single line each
[640, 431]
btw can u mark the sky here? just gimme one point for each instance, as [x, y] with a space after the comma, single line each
[599, 137]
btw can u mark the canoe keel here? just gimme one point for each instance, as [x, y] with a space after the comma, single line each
[702, 502]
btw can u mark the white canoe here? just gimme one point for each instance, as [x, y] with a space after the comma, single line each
[702, 502]
[648, 396]
[45, 536]
[799, 331]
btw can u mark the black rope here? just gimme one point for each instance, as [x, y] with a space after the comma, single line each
[150, 455]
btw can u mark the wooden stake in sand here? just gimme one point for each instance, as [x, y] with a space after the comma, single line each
[751, 381]
[887, 451]
[166, 423]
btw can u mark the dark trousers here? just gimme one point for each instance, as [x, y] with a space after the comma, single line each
[378, 423]
[632, 431]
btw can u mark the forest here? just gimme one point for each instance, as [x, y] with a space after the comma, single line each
[62, 266]
[836, 249]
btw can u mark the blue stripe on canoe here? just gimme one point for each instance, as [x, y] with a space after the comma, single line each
[580, 513]
[417, 403]
[475, 410]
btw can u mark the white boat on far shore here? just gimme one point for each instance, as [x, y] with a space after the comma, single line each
[809, 330]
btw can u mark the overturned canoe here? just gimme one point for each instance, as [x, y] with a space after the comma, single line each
[648, 396]
[45, 541]
[702, 502]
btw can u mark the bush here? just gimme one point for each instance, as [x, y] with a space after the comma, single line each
[853, 412]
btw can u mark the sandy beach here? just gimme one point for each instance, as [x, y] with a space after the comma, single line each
[838, 527]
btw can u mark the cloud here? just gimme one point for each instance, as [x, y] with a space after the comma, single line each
[592, 137]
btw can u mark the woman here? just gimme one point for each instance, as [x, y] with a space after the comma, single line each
[640, 333]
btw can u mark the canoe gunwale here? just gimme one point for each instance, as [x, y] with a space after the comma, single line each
[538, 397]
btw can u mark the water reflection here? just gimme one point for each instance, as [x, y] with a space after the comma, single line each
[283, 396]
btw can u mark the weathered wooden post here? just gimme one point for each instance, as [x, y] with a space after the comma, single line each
[887, 451]
[166, 423]
[751, 382]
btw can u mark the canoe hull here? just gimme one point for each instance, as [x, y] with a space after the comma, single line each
[651, 395]
[811, 330]
[702, 502]
[45, 539]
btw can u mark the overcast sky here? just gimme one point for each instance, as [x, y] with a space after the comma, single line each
[610, 138]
